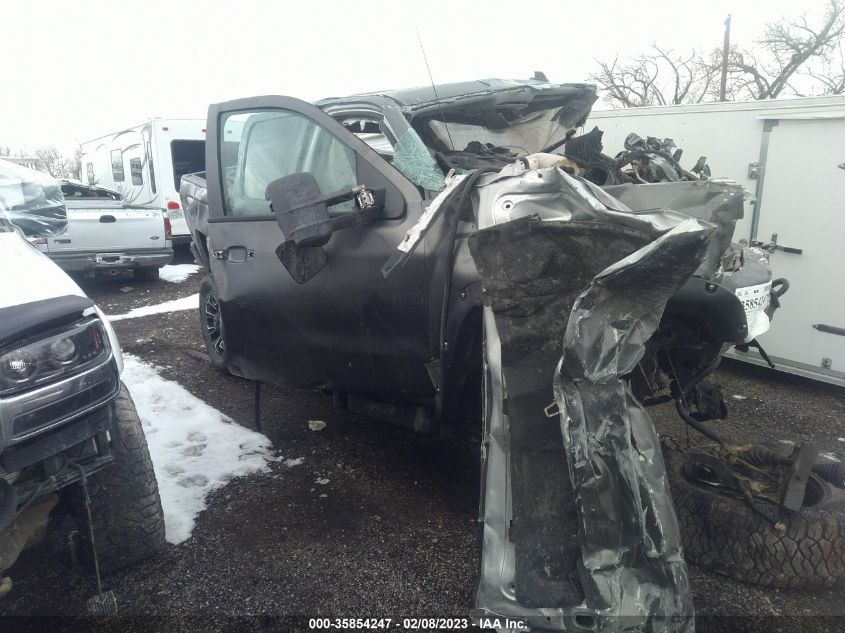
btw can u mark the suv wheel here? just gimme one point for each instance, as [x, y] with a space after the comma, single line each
[211, 322]
[125, 504]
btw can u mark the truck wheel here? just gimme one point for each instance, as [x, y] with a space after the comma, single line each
[146, 274]
[721, 533]
[125, 504]
[211, 322]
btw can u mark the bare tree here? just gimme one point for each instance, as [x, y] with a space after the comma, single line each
[829, 74]
[801, 56]
[785, 49]
[50, 160]
[661, 77]
[73, 166]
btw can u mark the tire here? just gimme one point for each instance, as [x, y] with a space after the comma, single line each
[146, 274]
[211, 323]
[722, 534]
[125, 504]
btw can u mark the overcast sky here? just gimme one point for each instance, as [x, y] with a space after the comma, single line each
[75, 70]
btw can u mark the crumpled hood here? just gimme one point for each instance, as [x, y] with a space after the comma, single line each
[477, 100]
[491, 103]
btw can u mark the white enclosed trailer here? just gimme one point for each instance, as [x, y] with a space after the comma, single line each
[145, 163]
[790, 156]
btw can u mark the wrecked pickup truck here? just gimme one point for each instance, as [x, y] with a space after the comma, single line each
[429, 257]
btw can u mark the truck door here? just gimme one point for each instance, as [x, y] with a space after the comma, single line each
[803, 204]
[347, 326]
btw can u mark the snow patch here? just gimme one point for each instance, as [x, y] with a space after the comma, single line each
[176, 273]
[834, 457]
[290, 463]
[322, 481]
[195, 448]
[185, 303]
[736, 396]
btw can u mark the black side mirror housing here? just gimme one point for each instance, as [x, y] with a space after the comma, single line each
[301, 212]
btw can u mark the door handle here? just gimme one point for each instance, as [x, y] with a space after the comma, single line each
[234, 254]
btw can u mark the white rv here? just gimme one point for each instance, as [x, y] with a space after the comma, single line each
[790, 155]
[145, 164]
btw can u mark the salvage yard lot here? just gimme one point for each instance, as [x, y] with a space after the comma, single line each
[362, 519]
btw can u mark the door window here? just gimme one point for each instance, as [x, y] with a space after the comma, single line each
[136, 169]
[188, 158]
[117, 165]
[259, 146]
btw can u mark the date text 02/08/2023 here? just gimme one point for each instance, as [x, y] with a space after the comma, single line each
[412, 624]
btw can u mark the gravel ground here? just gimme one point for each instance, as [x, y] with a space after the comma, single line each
[396, 534]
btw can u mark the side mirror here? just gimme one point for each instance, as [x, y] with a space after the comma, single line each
[302, 213]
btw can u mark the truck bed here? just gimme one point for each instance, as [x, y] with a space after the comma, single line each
[194, 194]
[105, 233]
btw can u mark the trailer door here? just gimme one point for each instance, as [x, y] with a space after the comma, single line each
[803, 204]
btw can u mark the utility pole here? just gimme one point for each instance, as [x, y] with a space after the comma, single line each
[725, 51]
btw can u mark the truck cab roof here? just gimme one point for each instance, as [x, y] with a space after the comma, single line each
[482, 94]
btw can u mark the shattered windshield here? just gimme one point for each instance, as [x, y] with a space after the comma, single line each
[413, 159]
[410, 154]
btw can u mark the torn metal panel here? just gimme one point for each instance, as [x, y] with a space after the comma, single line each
[633, 559]
[544, 236]
[417, 232]
[711, 200]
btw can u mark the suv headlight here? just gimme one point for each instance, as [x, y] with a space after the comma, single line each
[52, 355]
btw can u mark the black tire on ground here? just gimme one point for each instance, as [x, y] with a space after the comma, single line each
[722, 534]
[149, 273]
[125, 504]
[211, 324]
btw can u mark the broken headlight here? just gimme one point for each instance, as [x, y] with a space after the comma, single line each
[52, 355]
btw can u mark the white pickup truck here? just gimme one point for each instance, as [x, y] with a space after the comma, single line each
[106, 236]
